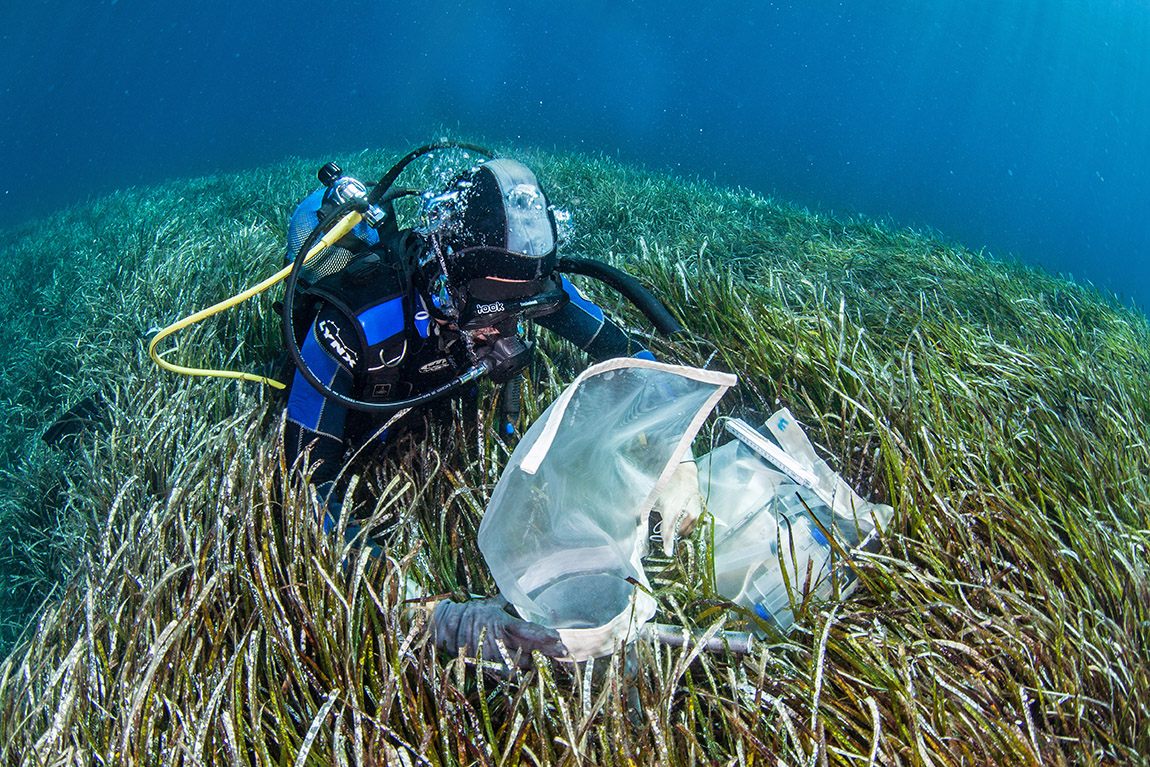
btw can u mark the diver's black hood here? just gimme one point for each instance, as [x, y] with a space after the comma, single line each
[497, 224]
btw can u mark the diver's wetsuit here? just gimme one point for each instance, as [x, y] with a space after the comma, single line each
[365, 342]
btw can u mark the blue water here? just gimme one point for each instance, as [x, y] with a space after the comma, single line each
[1018, 126]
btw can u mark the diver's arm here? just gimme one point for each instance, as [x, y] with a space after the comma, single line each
[582, 322]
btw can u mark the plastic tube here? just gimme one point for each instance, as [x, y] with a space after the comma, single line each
[772, 452]
[736, 642]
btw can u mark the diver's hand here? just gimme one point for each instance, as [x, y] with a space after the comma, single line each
[680, 504]
[484, 624]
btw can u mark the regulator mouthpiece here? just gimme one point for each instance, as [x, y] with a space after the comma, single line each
[508, 356]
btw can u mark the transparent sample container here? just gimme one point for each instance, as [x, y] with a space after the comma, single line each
[770, 530]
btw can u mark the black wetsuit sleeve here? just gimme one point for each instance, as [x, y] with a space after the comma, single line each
[582, 322]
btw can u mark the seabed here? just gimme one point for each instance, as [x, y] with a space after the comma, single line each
[168, 598]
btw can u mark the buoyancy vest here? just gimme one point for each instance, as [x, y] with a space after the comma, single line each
[375, 336]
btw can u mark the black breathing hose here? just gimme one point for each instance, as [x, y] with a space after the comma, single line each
[630, 287]
[381, 194]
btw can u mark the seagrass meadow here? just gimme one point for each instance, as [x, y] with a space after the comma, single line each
[168, 598]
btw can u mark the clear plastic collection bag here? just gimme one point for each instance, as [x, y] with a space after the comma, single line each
[774, 503]
[566, 526]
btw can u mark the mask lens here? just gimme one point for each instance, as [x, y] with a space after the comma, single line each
[441, 297]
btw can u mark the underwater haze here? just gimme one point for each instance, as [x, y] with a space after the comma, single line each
[1018, 126]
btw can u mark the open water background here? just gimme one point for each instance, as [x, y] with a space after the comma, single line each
[1018, 126]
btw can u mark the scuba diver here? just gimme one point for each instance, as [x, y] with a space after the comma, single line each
[386, 325]
[403, 318]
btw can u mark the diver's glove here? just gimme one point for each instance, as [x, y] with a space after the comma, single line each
[485, 623]
[680, 504]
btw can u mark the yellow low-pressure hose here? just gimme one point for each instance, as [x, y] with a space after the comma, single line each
[345, 225]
